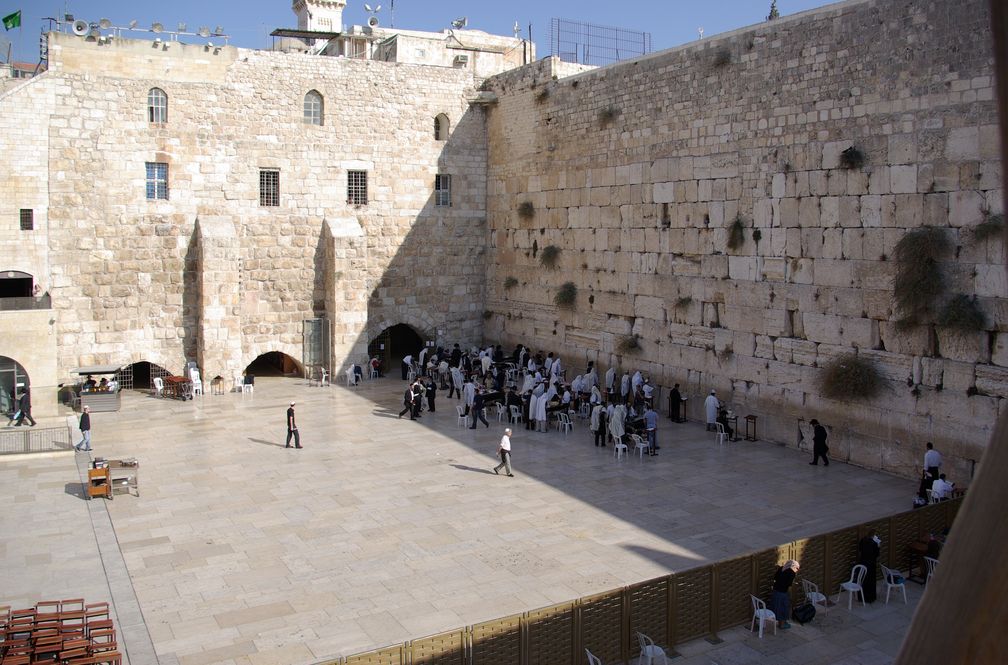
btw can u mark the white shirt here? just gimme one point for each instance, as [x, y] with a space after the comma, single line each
[610, 379]
[505, 443]
[941, 489]
[711, 404]
[932, 458]
[648, 390]
[408, 359]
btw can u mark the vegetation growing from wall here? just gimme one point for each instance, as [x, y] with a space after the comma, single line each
[919, 282]
[526, 210]
[962, 313]
[991, 227]
[852, 158]
[510, 283]
[736, 234]
[850, 377]
[566, 297]
[607, 115]
[628, 344]
[550, 256]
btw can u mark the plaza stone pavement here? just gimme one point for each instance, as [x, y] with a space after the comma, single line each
[382, 529]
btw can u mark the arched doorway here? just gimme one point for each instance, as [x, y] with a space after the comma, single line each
[139, 375]
[16, 284]
[393, 344]
[274, 363]
[13, 382]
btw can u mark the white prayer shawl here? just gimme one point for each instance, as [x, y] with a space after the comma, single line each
[610, 379]
[538, 390]
[551, 393]
[648, 390]
[596, 417]
[616, 422]
[556, 368]
[457, 380]
[527, 384]
[541, 409]
[547, 364]
[566, 399]
[533, 403]
[589, 381]
[531, 367]
[486, 363]
[469, 392]
[625, 384]
[423, 356]
[637, 380]
[596, 396]
[711, 404]
[577, 385]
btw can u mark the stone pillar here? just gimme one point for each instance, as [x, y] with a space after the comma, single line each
[218, 315]
[346, 292]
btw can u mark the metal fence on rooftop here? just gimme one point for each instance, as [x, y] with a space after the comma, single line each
[589, 44]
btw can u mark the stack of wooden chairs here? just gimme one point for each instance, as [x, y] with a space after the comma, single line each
[64, 632]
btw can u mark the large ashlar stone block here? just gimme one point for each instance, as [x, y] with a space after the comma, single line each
[963, 144]
[991, 380]
[903, 179]
[966, 208]
[801, 271]
[663, 192]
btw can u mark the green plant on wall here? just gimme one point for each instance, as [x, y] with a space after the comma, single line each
[608, 114]
[550, 256]
[919, 282]
[736, 234]
[683, 301]
[526, 210]
[850, 377]
[510, 283]
[963, 314]
[628, 344]
[852, 158]
[566, 297]
[992, 226]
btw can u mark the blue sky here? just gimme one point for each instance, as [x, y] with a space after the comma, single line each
[248, 22]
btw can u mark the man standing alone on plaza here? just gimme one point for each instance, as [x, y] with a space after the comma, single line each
[819, 447]
[932, 461]
[292, 430]
[504, 450]
[85, 428]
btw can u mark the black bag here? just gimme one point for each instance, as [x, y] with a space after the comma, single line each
[803, 613]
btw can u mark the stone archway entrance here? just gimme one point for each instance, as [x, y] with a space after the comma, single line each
[393, 344]
[13, 382]
[274, 363]
[139, 375]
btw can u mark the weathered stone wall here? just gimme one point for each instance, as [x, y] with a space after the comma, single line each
[637, 171]
[209, 273]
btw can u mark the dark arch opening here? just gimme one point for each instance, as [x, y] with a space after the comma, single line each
[274, 363]
[139, 375]
[13, 382]
[16, 284]
[393, 344]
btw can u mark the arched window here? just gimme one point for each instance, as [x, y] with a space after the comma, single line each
[313, 108]
[441, 127]
[157, 106]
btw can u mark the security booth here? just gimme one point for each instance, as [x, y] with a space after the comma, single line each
[98, 387]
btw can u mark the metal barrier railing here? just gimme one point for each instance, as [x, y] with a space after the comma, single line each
[671, 610]
[14, 440]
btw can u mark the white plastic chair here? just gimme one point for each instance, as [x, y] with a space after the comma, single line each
[564, 422]
[853, 585]
[813, 595]
[640, 445]
[515, 414]
[722, 434]
[619, 449]
[463, 419]
[761, 612]
[649, 651]
[239, 383]
[931, 563]
[247, 387]
[323, 377]
[889, 576]
[197, 385]
[592, 659]
[158, 386]
[350, 378]
[501, 411]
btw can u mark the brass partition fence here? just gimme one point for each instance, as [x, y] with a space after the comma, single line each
[670, 610]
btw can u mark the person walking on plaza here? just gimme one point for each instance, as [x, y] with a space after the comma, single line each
[292, 430]
[477, 409]
[418, 394]
[407, 403]
[25, 405]
[932, 461]
[407, 365]
[819, 447]
[504, 450]
[711, 407]
[85, 428]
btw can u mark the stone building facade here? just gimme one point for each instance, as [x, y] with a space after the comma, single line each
[637, 173]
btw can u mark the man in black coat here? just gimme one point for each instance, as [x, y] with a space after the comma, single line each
[407, 403]
[431, 394]
[675, 403]
[25, 405]
[819, 447]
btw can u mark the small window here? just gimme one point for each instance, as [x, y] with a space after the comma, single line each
[27, 219]
[157, 106]
[313, 108]
[357, 188]
[157, 180]
[441, 127]
[442, 190]
[269, 187]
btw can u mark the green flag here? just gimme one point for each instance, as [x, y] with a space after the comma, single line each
[12, 20]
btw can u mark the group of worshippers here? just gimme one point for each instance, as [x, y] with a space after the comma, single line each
[933, 479]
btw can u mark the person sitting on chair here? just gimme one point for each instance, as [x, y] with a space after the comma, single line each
[941, 489]
[358, 373]
[723, 419]
[89, 385]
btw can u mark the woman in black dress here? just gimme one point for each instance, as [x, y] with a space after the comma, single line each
[868, 554]
[780, 601]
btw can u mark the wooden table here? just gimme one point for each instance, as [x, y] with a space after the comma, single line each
[178, 387]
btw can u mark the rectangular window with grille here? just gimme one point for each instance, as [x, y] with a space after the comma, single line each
[442, 190]
[269, 187]
[27, 219]
[357, 188]
[157, 180]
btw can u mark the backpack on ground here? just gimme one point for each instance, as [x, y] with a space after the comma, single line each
[804, 613]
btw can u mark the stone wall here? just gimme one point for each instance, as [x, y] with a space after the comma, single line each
[637, 172]
[210, 274]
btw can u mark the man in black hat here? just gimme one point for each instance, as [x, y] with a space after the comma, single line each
[819, 447]
[292, 430]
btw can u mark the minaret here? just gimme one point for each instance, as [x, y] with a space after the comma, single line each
[319, 15]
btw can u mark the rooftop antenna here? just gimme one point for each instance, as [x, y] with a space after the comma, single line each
[516, 29]
[700, 30]
[460, 22]
[132, 24]
[373, 19]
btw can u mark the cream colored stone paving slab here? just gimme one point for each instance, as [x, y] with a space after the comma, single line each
[382, 529]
